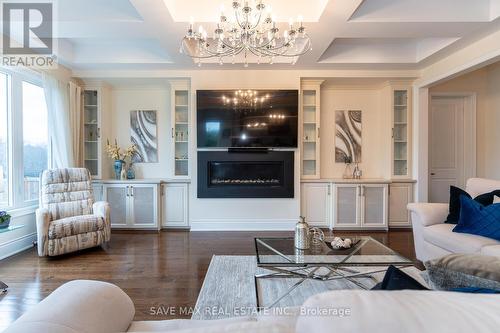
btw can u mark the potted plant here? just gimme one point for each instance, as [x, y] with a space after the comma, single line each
[115, 152]
[4, 220]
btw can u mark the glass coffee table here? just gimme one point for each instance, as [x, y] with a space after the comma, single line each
[320, 262]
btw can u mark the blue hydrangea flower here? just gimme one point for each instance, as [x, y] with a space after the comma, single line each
[3, 214]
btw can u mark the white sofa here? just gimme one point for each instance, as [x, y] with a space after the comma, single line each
[433, 238]
[98, 307]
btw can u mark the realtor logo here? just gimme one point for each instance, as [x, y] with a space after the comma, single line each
[28, 33]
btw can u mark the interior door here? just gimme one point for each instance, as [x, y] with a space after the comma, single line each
[446, 146]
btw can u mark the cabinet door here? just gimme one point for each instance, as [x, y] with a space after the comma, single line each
[117, 196]
[400, 195]
[174, 205]
[144, 206]
[316, 204]
[374, 206]
[346, 212]
[98, 191]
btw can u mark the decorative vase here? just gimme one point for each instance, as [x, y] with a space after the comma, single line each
[123, 174]
[5, 224]
[118, 168]
[131, 172]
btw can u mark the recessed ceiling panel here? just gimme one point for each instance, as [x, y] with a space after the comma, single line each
[97, 10]
[383, 50]
[423, 11]
[118, 51]
[209, 11]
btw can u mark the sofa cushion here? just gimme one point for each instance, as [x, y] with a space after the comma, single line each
[464, 270]
[75, 225]
[409, 311]
[442, 236]
[492, 250]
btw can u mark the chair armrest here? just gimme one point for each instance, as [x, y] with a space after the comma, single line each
[101, 209]
[42, 230]
[428, 214]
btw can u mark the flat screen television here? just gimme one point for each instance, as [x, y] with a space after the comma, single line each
[247, 118]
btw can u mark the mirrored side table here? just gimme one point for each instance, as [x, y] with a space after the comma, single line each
[3, 286]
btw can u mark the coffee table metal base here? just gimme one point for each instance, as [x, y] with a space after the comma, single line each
[307, 272]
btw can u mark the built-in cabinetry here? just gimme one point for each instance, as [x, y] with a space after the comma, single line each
[401, 132]
[343, 205]
[174, 205]
[180, 120]
[360, 206]
[400, 195]
[145, 204]
[316, 204]
[92, 131]
[310, 129]
[133, 205]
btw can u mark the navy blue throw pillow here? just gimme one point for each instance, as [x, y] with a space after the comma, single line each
[455, 193]
[478, 220]
[396, 279]
[475, 290]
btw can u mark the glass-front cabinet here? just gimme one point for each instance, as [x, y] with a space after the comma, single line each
[180, 128]
[91, 132]
[310, 139]
[401, 118]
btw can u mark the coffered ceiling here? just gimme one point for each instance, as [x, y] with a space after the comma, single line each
[346, 34]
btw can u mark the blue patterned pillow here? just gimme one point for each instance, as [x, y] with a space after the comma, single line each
[478, 220]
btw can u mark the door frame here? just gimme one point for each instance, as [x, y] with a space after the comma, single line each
[470, 138]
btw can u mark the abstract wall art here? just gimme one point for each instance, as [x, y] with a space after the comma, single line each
[348, 128]
[143, 132]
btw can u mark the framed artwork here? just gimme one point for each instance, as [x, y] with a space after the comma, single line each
[348, 128]
[143, 133]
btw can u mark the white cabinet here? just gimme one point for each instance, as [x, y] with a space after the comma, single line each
[175, 205]
[316, 203]
[181, 129]
[133, 206]
[310, 129]
[400, 195]
[374, 206]
[360, 206]
[346, 206]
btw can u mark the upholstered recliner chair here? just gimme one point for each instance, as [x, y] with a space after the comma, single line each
[67, 219]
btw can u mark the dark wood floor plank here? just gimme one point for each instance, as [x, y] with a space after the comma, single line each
[154, 269]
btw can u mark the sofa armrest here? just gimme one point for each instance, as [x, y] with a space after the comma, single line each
[428, 214]
[42, 230]
[79, 306]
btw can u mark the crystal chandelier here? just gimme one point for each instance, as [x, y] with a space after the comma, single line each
[251, 31]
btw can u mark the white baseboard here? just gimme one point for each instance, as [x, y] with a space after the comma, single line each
[242, 225]
[17, 245]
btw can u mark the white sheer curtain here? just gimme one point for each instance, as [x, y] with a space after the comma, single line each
[56, 96]
[75, 121]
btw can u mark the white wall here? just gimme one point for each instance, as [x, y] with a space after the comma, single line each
[125, 99]
[375, 130]
[485, 82]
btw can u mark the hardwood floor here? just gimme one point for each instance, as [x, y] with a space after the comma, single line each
[154, 269]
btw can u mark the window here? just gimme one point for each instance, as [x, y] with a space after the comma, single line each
[24, 138]
[35, 138]
[4, 141]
